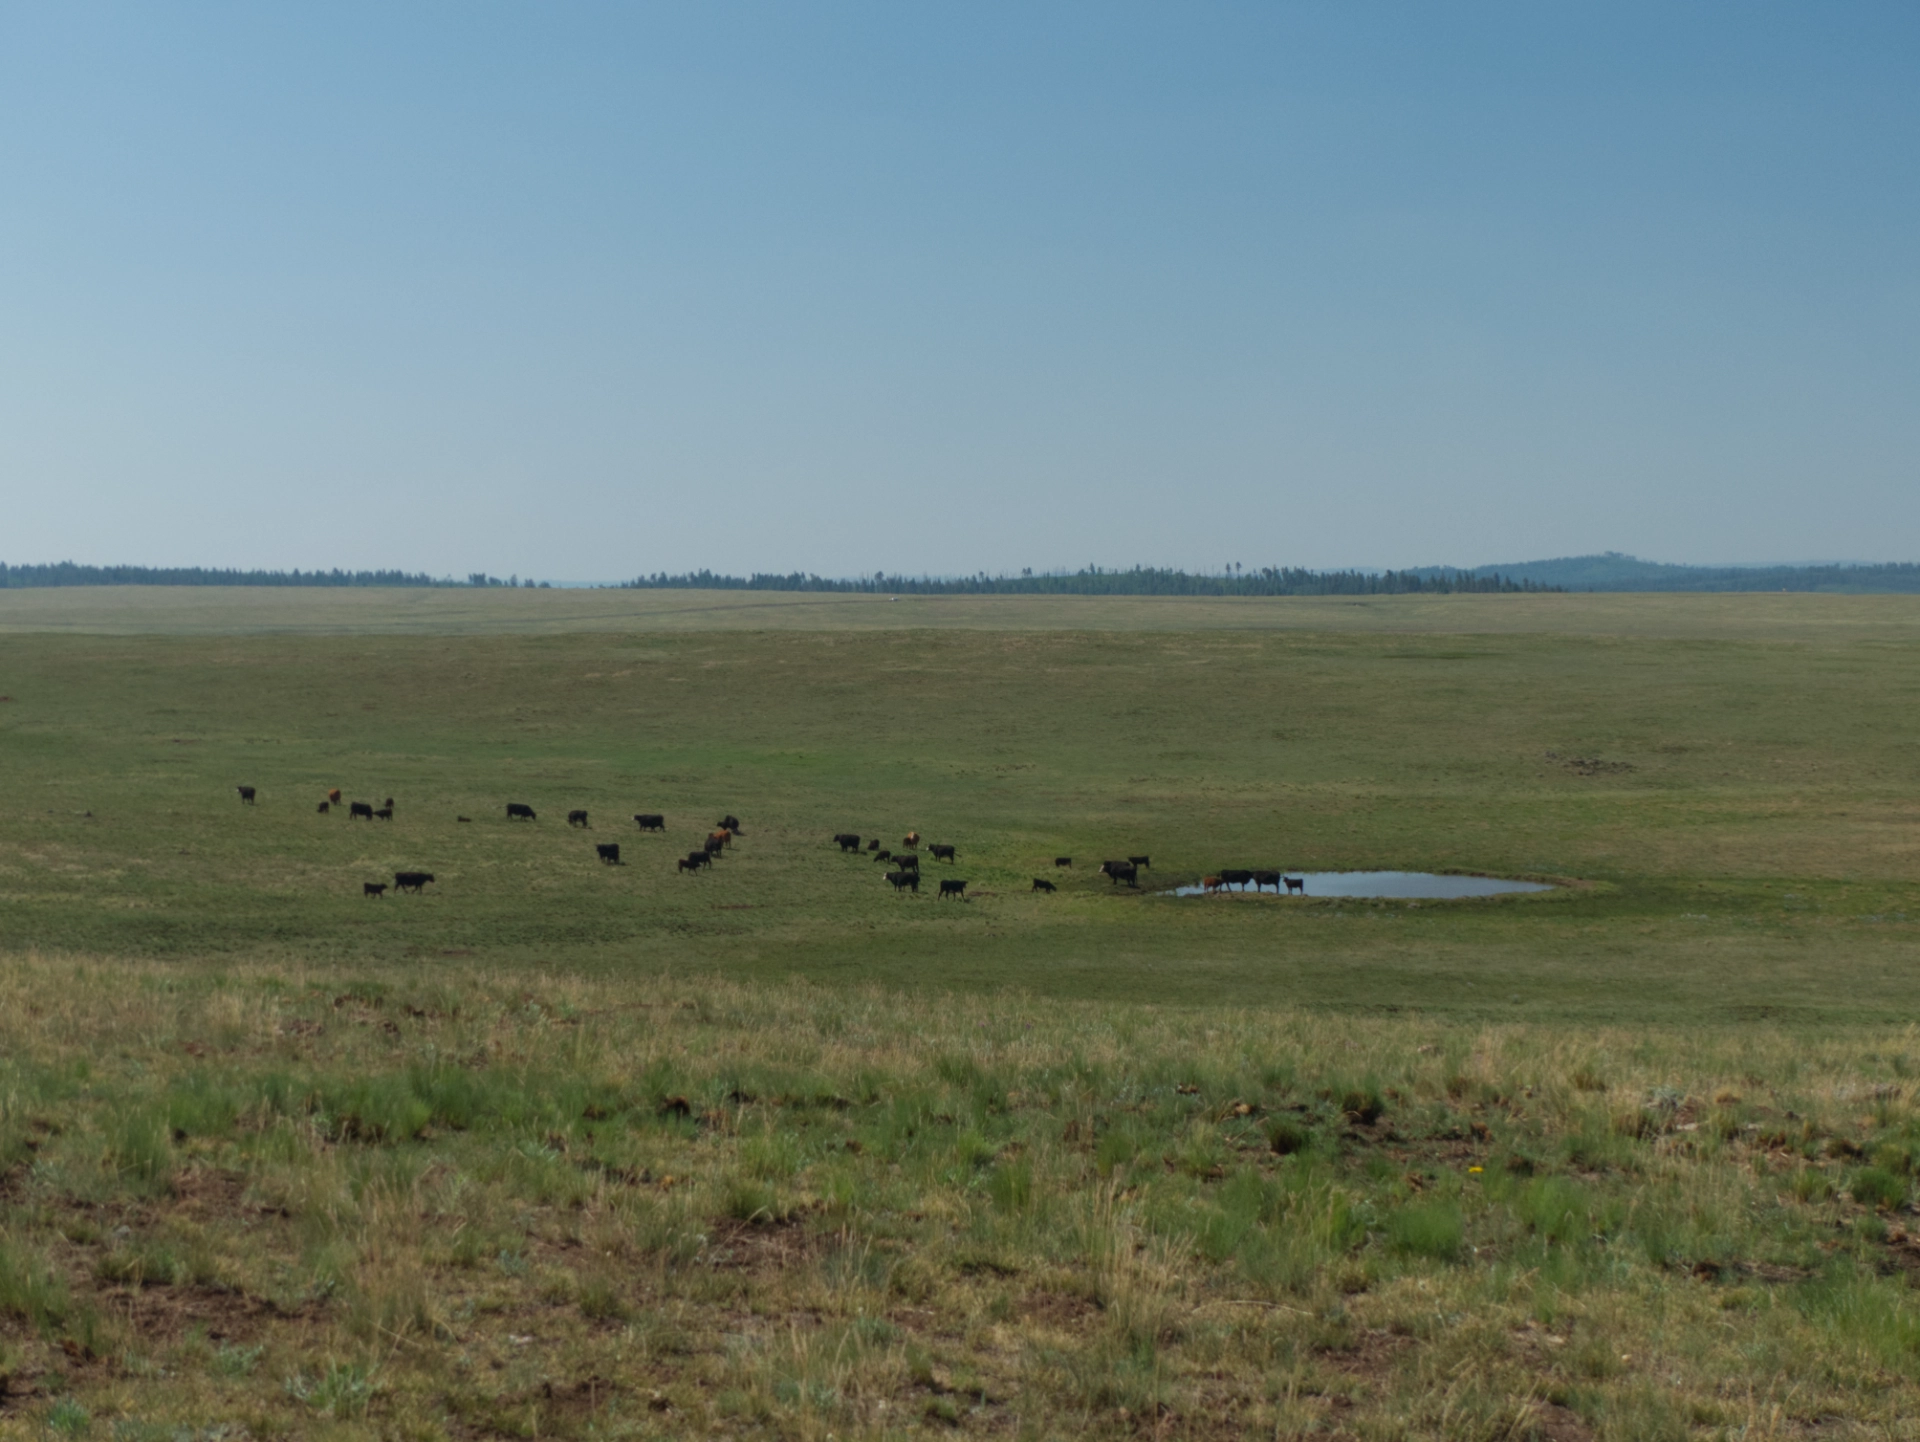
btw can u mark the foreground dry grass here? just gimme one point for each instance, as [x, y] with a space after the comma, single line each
[275, 1203]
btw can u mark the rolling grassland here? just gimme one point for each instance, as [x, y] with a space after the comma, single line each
[564, 1149]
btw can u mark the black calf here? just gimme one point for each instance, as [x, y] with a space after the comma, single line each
[953, 888]
[375, 889]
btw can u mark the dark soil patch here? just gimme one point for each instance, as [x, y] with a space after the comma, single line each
[1059, 1309]
[758, 1247]
[165, 1313]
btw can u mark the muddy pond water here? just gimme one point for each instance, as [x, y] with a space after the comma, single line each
[1398, 885]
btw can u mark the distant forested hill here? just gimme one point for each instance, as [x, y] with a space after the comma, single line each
[1612, 571]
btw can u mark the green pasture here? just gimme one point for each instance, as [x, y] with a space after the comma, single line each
[1732, 782]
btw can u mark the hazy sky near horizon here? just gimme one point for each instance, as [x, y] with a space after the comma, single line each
[580, 291]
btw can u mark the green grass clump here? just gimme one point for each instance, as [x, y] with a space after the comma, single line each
[1435, 1230]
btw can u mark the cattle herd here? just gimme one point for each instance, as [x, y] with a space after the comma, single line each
[903, 873]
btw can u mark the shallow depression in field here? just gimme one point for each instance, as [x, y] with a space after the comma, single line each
[1399, 885]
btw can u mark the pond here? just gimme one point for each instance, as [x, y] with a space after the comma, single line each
[1400, 885]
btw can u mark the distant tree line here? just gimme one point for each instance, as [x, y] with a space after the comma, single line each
[1613, 571]
[1095, 581]
[66, 573]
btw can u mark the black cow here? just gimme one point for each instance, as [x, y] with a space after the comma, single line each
[1118, 871]
[1295, 883]
[1063, 861]
[941, 853]
[463, 818]
[874, 845]
[1139, 861]
[1039, 885]
[246, 794]
[650, 821]
[609, 852]
[325, 807]
[519, 811]
[577, 818]
[700, 858]
[847, 841]
[1266, 878]
[411, 880]
[905, 881]
[883, 856]
[358, 809]
[1236, 878]
[385, 813]
[908, 861]
[730, 823]
[375, 889]
[714, 845]
[693, 862]
[953, 888]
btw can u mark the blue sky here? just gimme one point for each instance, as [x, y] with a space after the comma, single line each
[580, 291]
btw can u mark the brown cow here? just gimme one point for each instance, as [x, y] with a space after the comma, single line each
[912, 838]
[334, 796]
[723, 836]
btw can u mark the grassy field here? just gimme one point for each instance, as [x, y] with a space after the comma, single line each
[1741, 812]
[565, 1149]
